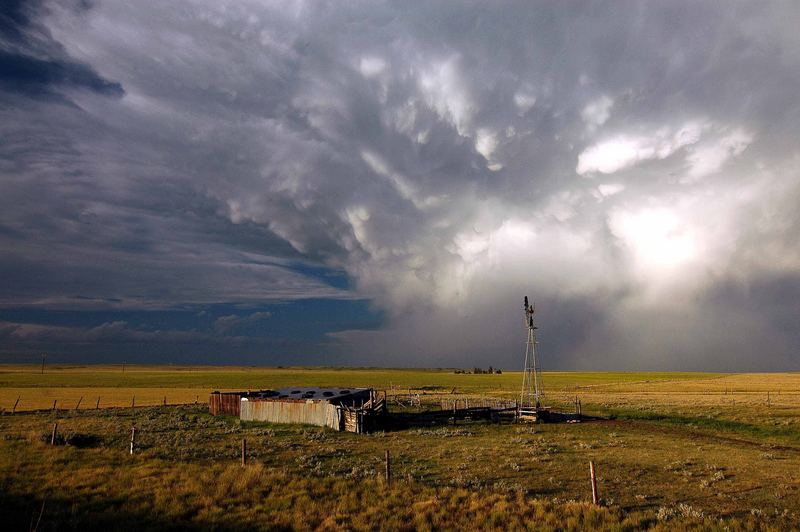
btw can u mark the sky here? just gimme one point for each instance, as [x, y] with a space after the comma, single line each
[380, 183]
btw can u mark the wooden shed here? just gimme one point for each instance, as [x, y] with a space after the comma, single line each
[227, 403]
[325, 407]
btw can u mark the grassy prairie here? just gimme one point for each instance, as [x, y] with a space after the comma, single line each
[150, 384]
[254, 377]
[674, 451]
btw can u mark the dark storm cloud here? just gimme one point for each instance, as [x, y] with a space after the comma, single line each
[623, 164]
[33, 64]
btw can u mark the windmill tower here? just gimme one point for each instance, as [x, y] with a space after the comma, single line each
[530, 400]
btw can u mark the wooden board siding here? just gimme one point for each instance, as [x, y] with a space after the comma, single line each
[226, 403]
[306, 412]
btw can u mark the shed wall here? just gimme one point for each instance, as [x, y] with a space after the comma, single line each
[318, 413]
[224, 403]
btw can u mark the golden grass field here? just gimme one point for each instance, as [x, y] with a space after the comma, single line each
[149, 385]
[738, 397]
[673, 451]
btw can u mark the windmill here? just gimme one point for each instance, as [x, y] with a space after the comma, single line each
[530, 400]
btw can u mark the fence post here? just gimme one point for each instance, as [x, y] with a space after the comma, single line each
[79, 403]
[165, 400]
[54, 404]
[97, 404]
[14, 410]
[388, 468]
[53, 435]
[595, 498]
[133, 438]
[244, 452]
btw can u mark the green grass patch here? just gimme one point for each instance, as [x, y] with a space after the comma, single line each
[711, 424]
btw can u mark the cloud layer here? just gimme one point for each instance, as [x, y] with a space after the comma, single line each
[630, 167]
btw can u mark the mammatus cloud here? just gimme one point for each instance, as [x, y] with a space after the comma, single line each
[596, 113]
[634, 171]
[618, 153]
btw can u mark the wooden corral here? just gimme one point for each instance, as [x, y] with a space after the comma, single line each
[448, 416]
[361, 410]
[368, 417]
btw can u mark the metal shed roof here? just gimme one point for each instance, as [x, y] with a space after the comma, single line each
[305, 393]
